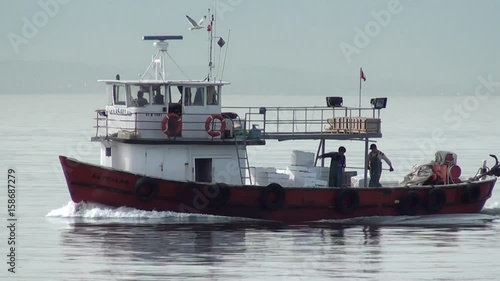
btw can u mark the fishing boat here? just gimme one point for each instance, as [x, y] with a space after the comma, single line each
[169, 145]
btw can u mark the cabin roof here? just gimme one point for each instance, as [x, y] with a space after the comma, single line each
[160, 82]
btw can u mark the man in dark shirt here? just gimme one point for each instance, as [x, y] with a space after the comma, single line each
[141, 101]
[337, 167]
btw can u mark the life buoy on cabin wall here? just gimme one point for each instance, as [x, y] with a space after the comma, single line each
[210, 122]
[170, 129]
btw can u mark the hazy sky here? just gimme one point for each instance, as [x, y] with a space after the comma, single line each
[425, 45]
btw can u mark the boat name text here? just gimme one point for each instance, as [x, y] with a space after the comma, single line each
[119, 111]
[109, 179]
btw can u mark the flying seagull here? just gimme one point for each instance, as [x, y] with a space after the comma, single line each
[195, 25]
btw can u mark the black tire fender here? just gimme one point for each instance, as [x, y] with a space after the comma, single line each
[219, 194]
[187, 193]
[347, 201]
[146, 189]
[472, 193]
[435, 200]
[270, 191]
[409, 203]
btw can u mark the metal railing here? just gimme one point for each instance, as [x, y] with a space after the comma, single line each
[310, 120]
[253, 122]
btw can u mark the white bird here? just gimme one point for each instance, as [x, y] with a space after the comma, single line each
[196, 25]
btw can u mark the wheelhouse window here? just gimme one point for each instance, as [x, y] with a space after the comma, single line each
[141, 95]
[213, 95]
[119, 95]
[158, 94]
[194, 96]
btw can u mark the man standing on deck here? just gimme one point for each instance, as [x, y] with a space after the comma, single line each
[337, 166]
[375, 157]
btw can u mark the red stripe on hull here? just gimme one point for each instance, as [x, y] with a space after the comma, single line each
[91, 183]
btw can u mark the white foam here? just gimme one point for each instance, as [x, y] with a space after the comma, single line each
[93, 211]
[90, 210]
[493, 205]
[97, 211]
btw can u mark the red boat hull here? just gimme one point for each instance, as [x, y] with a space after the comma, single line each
[92, 183]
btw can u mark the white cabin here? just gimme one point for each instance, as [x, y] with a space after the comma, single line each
[178, 130]
[132, 138]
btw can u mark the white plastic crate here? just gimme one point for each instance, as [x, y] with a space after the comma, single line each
[302, 158]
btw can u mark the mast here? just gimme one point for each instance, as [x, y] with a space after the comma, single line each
[359, 95]
[211, 28]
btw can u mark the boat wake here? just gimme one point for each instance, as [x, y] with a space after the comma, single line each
[89, 212]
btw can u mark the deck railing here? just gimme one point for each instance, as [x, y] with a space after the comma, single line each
[269, 122]
[303, 121]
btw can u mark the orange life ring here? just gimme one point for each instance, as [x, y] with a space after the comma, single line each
[209, 123]
[175, 130]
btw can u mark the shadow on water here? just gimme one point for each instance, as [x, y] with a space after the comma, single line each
[216, 244]
[306, 248]
[168, 245]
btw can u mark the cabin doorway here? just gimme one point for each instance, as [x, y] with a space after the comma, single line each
[154, 162]
[203, 169]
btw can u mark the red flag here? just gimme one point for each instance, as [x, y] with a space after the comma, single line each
[362, 75]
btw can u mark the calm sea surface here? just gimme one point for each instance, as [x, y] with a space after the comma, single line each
[57, 241]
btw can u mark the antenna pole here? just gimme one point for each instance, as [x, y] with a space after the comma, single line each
[225, 55]
[210, 65]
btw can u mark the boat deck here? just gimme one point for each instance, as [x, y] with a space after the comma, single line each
[312, 123]
[253, 123]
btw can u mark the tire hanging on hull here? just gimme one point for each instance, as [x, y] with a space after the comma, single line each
[187, 194]
[408, 204]
[347, 201]
[218, 193]
[435, 200]
[146, 189]
[472, 192]
[273, 197]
